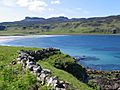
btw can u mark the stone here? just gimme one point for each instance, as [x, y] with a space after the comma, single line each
[49, 81]
[18, 59]
[118, 88]
[53, 81]
[42, 77]
[115, 86]
[46, 71]
[30, 63]
[13, 62]
[37, 69]
[28, 60]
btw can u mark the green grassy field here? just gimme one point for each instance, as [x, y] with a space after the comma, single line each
[37, 32]
[12, 77]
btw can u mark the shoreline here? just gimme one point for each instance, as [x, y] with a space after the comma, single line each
[11, 38]
[73, 34]
[7, 38]
[88, 68]
[4, 39]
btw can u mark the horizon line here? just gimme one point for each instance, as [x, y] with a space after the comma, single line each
[63, 16]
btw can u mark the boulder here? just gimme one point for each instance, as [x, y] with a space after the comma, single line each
[37, 69]
[53, 81]
[42, 77]
[13, 62]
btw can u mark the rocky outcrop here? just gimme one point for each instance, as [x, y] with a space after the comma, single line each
[106, 80]
[28, 60]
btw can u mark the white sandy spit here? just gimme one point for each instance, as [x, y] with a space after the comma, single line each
[11, 38]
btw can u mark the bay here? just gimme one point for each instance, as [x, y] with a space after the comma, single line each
[101, 52]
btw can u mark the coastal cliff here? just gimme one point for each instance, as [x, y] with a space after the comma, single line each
[39, 69]
[50, 69]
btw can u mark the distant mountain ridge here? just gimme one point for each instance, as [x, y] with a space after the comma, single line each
[59, 19]
[64, 25]
[36, 20]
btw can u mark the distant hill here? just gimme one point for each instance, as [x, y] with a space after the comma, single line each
[37, 20]
[64, 25]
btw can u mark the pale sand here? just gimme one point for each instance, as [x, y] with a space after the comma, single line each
[8, 38]
[11, 38]
[5, 39]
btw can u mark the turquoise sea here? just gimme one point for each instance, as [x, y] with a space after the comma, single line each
[101, 52]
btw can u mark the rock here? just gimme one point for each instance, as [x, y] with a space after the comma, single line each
[60, 86]
[37, 69]
[47, 80]
[118, 88]
[115, 86]
[28, 60]
[66, 85]
[13, 62]
[42, 78]
[18, 59]
[30, 63]
[53, 81]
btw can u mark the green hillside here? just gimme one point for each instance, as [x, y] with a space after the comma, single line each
[63, 25]
[12, 77]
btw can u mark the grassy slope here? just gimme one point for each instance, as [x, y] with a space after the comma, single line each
[13, 78]
[102, 26]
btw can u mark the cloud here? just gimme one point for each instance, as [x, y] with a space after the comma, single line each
[23, 3]
[51, 9]
[8, 3]
[31, 5]
[79, 9]
[55, 2]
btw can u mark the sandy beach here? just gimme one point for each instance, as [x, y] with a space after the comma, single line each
[5, 39]
[8, 38]
[11, 38]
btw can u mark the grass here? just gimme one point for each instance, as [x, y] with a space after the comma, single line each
[65, 76]
[105, 25]
[12, 77]
[32, 32]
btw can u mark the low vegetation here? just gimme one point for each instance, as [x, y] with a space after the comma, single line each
[104, 80]
[62, 25]
[12, 77]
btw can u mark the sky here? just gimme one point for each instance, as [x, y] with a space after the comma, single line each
[14, 10]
